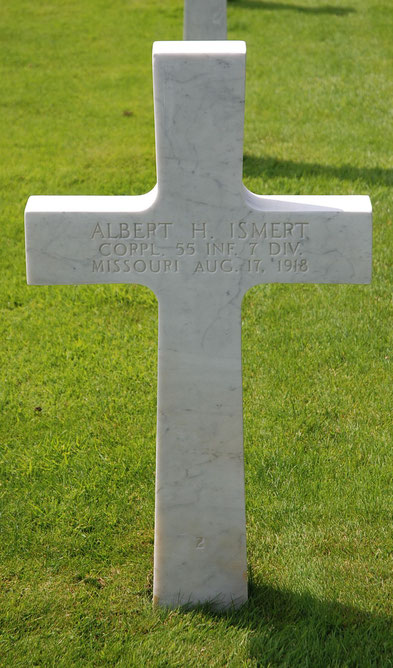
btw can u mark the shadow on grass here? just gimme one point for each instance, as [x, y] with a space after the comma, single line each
[324, 9]
[269, 168]
[290, 629]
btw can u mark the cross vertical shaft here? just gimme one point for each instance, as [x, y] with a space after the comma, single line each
[200, 541]
[200, 546]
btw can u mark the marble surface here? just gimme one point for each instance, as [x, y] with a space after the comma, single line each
[199, 240]
[205, 19]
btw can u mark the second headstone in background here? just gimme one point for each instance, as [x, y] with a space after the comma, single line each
[205, 19]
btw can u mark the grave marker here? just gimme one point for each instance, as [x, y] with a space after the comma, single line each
[205, 19]
[199, 240]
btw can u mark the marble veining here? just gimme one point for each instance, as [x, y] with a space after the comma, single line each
[199, 240]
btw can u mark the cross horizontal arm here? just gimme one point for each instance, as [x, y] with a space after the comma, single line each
[74, 240]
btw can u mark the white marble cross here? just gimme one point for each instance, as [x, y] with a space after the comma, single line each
[205, 19]
[199, 240]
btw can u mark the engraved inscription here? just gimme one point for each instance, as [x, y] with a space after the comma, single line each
[293, 265]
[154, 248]
[244, 230]
[200, 543]
[130, 230]
[139, 266]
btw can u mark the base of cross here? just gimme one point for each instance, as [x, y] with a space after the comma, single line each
[199, 240]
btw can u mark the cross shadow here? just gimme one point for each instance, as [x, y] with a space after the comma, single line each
[268, 167]
[324, 9]
[291, 629]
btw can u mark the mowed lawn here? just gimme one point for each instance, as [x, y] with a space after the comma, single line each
[78, 364]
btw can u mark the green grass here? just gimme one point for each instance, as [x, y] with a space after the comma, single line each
[78, 364]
